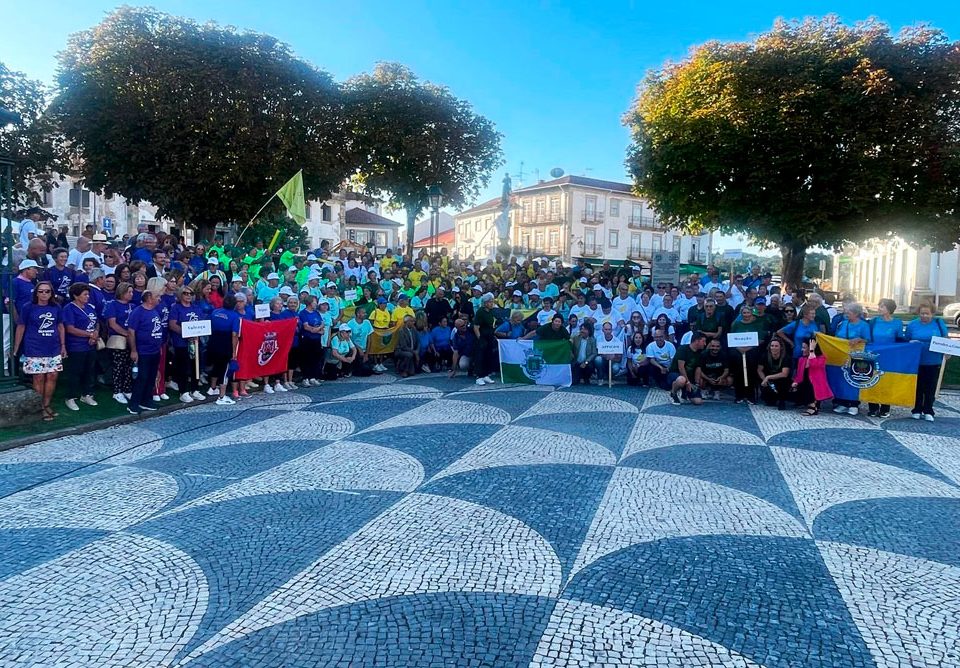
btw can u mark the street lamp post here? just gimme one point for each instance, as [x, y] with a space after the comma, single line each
[7, 205]
[435, 197]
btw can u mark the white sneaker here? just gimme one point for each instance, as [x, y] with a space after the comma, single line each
[172, 385]
[425, 368]
[119, 398]
[252, 385]
[916, 416]
[290, 386]
[839, 409]
[278, 387]
[186, 398]
[156, 398]
[165, 396]
[716, 395]
[268, 388]
[72, 404]
[128, 395]
[928, 417]
[198, 396]
[853, 410]
[213, 392]
[225, 401]
[88, 400]
[490, 381]
[481, 381]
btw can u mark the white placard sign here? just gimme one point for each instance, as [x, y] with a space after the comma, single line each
[743, 340]
[350, 295]
[612, 347]
[192, 328]
[261, 311]
[945, 345]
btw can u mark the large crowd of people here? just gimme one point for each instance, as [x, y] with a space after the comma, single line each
[111, 312]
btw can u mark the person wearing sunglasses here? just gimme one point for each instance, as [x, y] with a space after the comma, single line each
[40, 330]
[183, 373]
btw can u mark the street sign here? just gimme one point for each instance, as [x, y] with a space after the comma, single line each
[107, 225]
[823, 265]
[666, 267]
[192, 328]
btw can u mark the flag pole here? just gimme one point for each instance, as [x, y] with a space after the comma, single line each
[255, 217]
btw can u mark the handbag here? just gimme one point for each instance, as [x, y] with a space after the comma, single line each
[117, 342]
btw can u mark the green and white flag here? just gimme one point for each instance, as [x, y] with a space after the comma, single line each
[535, 362]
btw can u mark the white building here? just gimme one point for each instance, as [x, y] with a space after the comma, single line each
[76, 207]
[894, 269]
[578, 217]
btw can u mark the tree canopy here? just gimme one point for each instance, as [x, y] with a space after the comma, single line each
[408, 135]
[815, 133]
[201, 120]
[32, 142]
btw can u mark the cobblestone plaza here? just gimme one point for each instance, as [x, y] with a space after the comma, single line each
[430, 522]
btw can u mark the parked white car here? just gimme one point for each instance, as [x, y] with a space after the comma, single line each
[951, 313]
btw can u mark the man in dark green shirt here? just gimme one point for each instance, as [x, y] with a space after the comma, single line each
[484, 324]
[683, 371]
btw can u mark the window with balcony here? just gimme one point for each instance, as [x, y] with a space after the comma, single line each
[634, 245]
[658, 242]
[613, 238]
[615, 207]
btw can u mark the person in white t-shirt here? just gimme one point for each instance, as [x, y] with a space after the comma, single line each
[29, 226]
[546, 312]
[683, 303]
[660, 354]
[580, 309]
[605, 314]
[668, 310]
[623, 303]
[736, 293]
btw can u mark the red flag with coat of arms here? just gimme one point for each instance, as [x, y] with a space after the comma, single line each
[264, 347]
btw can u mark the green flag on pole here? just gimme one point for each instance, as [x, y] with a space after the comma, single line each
[291, 194]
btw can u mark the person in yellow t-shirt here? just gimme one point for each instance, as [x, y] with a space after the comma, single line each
[380, 316]
[387, 261]
[402, 310]
[415, 275]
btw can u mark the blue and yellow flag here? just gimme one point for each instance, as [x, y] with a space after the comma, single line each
[880, 374]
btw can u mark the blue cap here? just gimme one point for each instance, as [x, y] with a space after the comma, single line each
[381, 300]
[760, 301]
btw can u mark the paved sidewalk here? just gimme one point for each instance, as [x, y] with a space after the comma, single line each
[431, 522]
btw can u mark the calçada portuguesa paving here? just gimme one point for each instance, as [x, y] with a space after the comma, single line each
[430, 522]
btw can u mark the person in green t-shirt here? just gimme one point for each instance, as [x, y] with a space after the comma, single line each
[710, 323]
[747, 357]
[683, 371]
[289, 257]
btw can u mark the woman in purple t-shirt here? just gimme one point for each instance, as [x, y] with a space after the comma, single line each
[40, 330]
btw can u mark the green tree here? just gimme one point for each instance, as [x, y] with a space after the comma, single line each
[267, 223]
[813, 134]
[408, 135]
[201, 120]
[31, 141]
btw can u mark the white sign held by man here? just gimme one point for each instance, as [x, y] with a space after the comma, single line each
[193, 328]
[612, 347]
[945, 345]
[261, 311]
[743, 340]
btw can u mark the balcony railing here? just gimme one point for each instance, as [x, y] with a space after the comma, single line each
[592, 250]
[694, 257]
[592, 217]
[638, 253]
[644, 223]
[542, 219]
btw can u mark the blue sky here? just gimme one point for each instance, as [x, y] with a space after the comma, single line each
[554, 76]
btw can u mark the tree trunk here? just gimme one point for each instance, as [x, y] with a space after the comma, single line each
[411, 222]
[792, 255]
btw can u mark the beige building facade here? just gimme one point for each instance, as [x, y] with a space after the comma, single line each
[577, 217]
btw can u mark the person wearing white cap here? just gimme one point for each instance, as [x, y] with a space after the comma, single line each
[270, 289]
[332, 297]
[23, 284]
[341, 354]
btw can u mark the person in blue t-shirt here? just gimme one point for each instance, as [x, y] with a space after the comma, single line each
[40, 330]
[800, 330]
[145, 337]
[222, 347]
[440, 345]
[312, 328]
[81, 325]
[885, 330]
[183, 371]
[923, 329]
[117, 313]
[854, 329]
